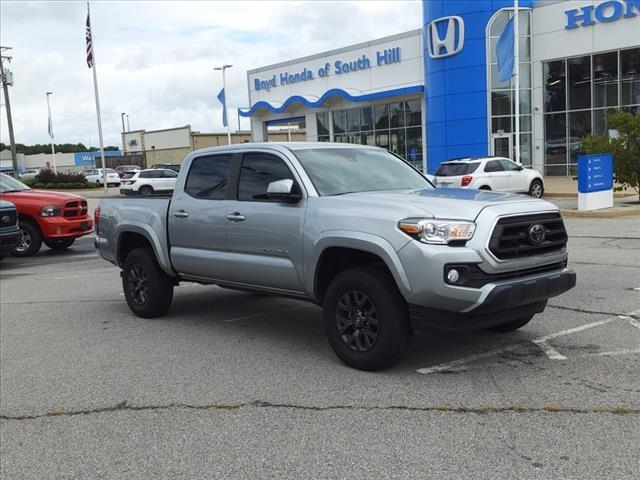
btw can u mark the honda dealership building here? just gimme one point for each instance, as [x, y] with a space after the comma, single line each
[434, 93]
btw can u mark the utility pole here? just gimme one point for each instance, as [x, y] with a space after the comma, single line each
[5, 87]
[128, 127]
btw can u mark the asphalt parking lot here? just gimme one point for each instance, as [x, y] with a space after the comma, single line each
[235, 385]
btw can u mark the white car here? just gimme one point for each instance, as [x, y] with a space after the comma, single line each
[97, 176]
[146, 182]
[490, 173]
[29, 174]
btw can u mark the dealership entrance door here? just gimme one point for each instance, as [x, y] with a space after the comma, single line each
[502, 145]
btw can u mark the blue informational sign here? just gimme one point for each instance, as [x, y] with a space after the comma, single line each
[595, 172]
[88, 159]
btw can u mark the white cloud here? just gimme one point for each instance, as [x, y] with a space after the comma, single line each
[155, 59]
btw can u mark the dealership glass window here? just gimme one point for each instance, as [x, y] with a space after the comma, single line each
[555, 94]
[605, 79]
[323, 123]
[579, 70]
[339, 121]
[630, 76]
[396, 127]
[611, 79]
[502, 94]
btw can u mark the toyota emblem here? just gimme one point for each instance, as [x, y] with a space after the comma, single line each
[537, 234]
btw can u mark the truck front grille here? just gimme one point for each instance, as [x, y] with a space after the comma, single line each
[75, 209]
[513, 237]
[8, 218]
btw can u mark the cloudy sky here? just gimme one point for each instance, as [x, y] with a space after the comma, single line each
[155, 58]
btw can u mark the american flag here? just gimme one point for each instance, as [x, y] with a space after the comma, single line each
[89, 43]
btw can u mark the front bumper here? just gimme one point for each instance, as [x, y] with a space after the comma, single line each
[499, 304]
[61, 227]
[9, 240]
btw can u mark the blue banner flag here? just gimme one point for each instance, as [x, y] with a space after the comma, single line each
[224, 107]
[505, 51]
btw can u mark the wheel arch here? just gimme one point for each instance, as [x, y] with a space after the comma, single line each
[333, 254]
[134, 236]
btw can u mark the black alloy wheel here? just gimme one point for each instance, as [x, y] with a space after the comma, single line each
[357, 321]
[138, 284]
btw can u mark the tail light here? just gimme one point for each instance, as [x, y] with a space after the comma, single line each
[96, 220]
[466, 180]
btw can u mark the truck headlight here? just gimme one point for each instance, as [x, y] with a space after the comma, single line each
[439, 232]
[50, 211]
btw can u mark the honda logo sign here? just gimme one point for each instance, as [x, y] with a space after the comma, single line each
[446, 37]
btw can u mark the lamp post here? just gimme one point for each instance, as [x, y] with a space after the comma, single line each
[224, 88]
[53, 150]
[124, 144]
[128, 128]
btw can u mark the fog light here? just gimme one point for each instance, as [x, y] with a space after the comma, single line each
[453, 276]
[59, 230]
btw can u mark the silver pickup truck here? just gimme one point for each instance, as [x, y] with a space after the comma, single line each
[351, 228]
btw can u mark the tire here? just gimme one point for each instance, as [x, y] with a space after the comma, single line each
[484, 187]
[375, 295]
[98, 183]
[511, 326]
[147, 289]
[145, 190]
[59, 244]
[31, 240]
[536, 189]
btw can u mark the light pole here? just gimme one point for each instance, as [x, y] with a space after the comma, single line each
[53, 150]
[224, 88]
[5, 87]
[128, 128]
[124, 144]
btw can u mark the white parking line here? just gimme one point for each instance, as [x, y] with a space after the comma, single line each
[541, 342]
[551, 352]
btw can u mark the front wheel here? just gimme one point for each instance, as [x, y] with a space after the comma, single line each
[366, 319]
[147, 289]
[536, 189]
[511, 326]
[31, 240]
[59, 244]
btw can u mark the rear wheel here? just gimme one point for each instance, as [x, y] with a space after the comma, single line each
[147, 289]
[485, 187]
[31, 239]
[60, 244]
[145, 190]
[511, 326]
[366, 319]
[536, 189]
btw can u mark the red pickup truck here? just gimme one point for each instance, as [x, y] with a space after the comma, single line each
[54, 218]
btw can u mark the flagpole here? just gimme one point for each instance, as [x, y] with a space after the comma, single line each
[516, 47]
[53, 150]
[226, 111]
[95, 88]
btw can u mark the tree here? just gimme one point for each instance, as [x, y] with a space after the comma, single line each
[60, 148]
[625, 148]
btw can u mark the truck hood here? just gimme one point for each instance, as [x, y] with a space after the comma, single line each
[44, 196]
[445, 203]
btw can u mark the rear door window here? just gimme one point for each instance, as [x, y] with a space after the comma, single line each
[208, 177]
[493, 166]
[456, 169]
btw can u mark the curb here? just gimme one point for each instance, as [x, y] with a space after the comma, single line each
[575, 195]
[599, 213]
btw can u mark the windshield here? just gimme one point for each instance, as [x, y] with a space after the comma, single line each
[456, 169]
[9, 184]
[336, 171]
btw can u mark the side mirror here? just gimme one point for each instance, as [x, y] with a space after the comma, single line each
[520, 168]
[284, 191]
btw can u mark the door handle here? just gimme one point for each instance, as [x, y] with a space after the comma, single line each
[180, 214]
[236, 217]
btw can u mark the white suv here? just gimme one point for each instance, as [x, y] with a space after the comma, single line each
[489, 173]
[146, 182]
[96, 176]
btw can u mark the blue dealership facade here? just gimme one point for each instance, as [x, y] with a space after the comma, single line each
[437, 95]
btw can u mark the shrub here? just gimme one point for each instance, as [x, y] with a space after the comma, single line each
[38, 185]
[47, 176]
